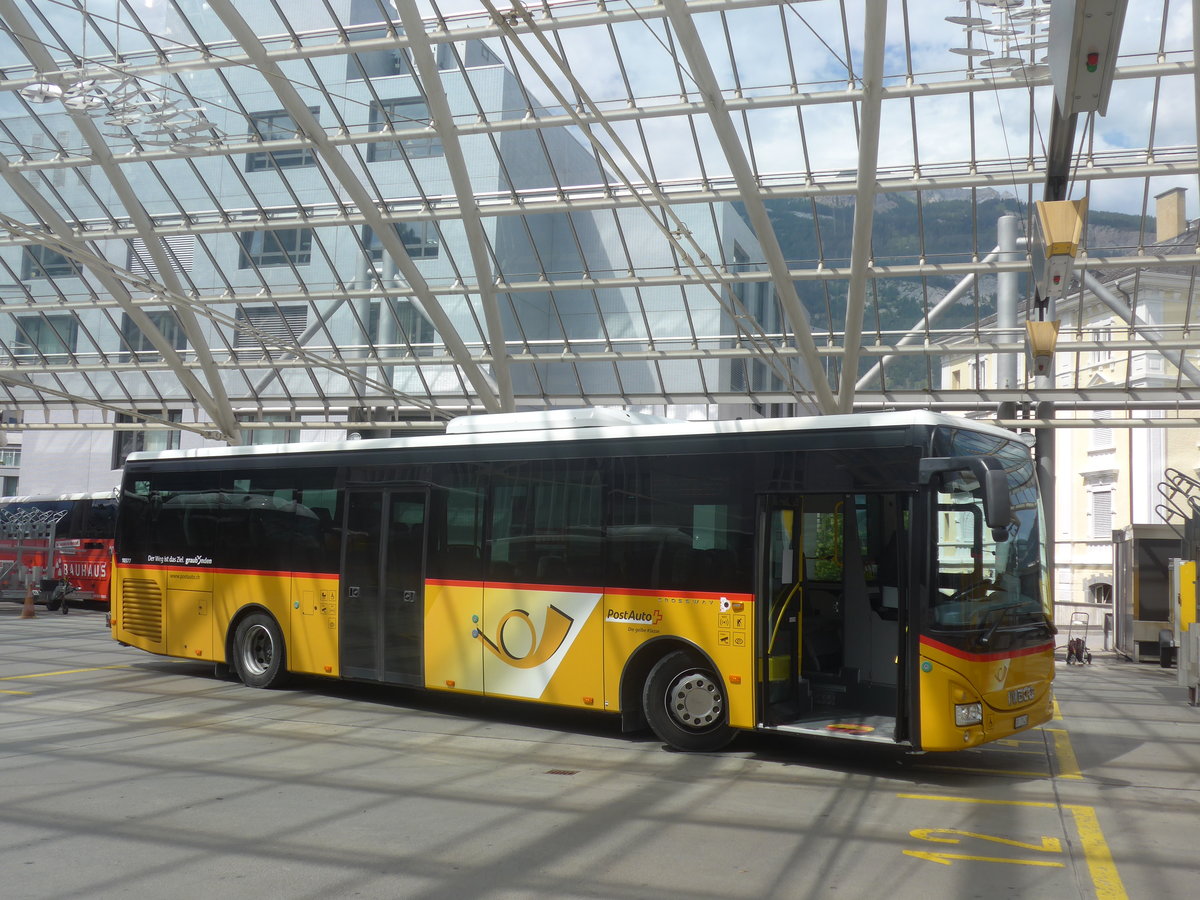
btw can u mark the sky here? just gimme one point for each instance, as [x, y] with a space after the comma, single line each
[755, 48]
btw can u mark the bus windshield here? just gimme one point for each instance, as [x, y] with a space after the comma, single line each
[989, 595]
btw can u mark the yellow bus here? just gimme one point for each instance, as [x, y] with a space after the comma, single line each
[873, 577]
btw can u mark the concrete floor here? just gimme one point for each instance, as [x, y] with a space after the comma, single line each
[127, 775]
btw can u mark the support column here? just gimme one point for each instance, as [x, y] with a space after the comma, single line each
[1006, 312]
[1043, 452]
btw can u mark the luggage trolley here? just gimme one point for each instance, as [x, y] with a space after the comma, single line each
[1077, 651]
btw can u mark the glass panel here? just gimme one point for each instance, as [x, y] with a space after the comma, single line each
[361, 596]
[546, 523]
[420, 240]
[680, 523]
[404, 584]
[402, 114]
[126, 442]
[50, 336]
[275, 248]
[277, 125]
[141, 349]
[989, 594]
[42, 262]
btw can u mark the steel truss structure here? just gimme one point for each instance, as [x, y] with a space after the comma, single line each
[359, 214]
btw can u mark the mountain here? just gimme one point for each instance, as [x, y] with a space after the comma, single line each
[955, 225]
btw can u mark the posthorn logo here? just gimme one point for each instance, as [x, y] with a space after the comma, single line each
[557, 626]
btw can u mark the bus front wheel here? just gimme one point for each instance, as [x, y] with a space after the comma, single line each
[258, 652]
[686, 705]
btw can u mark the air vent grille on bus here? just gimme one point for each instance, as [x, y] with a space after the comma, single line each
[142, 608]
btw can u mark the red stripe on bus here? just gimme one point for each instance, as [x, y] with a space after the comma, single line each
[684, 595]
[585, 589]
[985, 657]
[515, 586]
[217, 571]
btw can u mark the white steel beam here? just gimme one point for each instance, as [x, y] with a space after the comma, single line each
[367, 205]
[443, 123]
[222, 54]
[986, 266]
[672, 228]
[919, 330]
[76, 400]
[700, 69]
[874, 28]
[1168, 163]
[212, 395]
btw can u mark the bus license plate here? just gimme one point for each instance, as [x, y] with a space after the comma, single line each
[1020, 721]
[1020, 695]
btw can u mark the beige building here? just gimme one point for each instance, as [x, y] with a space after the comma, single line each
[1108, 476]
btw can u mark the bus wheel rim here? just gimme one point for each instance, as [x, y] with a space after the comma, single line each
[695, 701]
[259, 650]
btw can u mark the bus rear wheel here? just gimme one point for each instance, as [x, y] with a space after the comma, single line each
[686, 705]
[258, 652]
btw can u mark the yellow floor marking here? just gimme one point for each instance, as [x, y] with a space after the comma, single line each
[16, 692]
[981, 771]
[62, 672]
[1105, 878]
[955, 836]
[1011, 742]
[1057, 712]
[1068, 766]
[945, 858]
[1037, 804]
[1095, 851]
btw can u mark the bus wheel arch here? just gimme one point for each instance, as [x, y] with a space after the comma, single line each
[673, 687]
[256, 649]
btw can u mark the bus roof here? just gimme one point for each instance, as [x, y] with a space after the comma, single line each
[551, 426]
[58, 498]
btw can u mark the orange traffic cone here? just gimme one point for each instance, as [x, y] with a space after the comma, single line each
[27, 611]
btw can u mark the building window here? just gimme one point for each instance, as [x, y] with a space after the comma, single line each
[1102, 438]
[42, 262]
[279, 324]
[10, 485]
[139, 347]
[51, 338]
[420, 240]
[180, 250]
[259, 249]
[1104, 335]
[260, 436]
[403, 113]
[403, 321]
[1100, 514]
[277, 125]
[126, 442]
[1100, 593]
[377, 63]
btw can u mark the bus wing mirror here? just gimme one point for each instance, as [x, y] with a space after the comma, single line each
[997, 507]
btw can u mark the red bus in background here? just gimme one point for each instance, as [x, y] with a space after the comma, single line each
[82, 544]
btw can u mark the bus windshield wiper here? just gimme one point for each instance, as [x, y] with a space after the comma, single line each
[986, 637]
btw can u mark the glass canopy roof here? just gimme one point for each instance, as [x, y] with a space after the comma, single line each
[359, 214]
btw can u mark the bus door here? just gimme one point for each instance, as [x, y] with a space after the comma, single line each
[383, 579]
[831, 599]
[780, 598]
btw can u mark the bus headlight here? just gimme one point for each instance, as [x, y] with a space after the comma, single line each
[968, 713]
